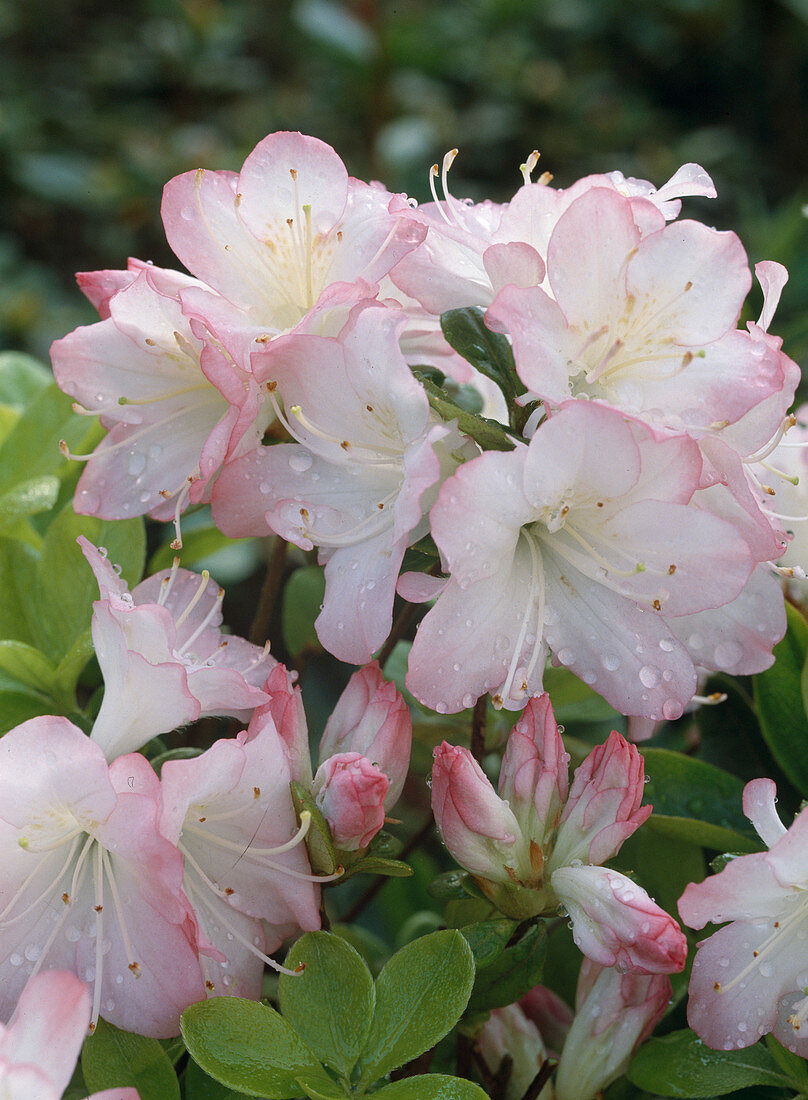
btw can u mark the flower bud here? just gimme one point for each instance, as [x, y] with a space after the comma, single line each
[551, 1015]
[285, 708]
[615, 923]
[603, 808]
[351, 793]
[508, 1032]
[614, 1013]
[534, 778]
[372, 719]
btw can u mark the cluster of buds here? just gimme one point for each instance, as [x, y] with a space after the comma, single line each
[538, 845]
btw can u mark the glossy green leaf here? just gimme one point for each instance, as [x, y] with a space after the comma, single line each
[790, 1063]
[330, 1005]
[489, 433]
[420, 995]
[18, 580]
[512, 973]
[198, 1086]
[26, 665]
[18, 706]
[432, 1086]
[696, 802]
[490, 352]
[21, 379]
[197, 543]
[112, 1058]
[373, 865]
[27, 498]
[31, 448]
[302, 600]
[250, 1048]
[66, 584]
[488, 939]
[781, 693]
[681, 1065]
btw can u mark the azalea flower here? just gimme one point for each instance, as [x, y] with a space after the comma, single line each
[175, 401]
[356, 484]
[548, 547]
[535, 845]
[89, 885]
[750, 978]
[163, 658]
[40, 1045]
[230, 813]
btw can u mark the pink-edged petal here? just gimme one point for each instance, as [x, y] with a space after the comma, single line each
[110, 582]
[375, 235]
[420, 587]
[205, 232]
[737, 637]
[360, 583]
[739, 975]
[747, 889]
[600, 227]
[285, 711]
[543, 345]
[514, 264]
[478, 514]
[99, 286]
[759, 798]
[697, 278]
[472, 637]
[690, 179]
[48, 1027]
[629, 655]
[286, 172]
[772, 278]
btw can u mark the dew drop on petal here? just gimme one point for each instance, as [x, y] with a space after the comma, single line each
[468, 700]
[566, 656]
[727, 654]
[15, 959]
[649, 676]
[666, 645]
[32, 952]
[672, 709]
[611, 662]
[300, 462]
[136, 464]
[441, 708]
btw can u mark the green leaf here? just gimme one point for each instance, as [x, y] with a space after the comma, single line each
[198, 1086]
[112, 1059]
[31, 448]
[781, 696]
[420, 995]
[489, 433]
[66, 585]
[681, 1065]
[18, 581]
[490, 352]
[373, 865]
[197, 543]
[302, 600]
[432, 1086]
[19, 706]
[21, 379]
[488, 939]
[790, 1063]
[513, 972]
[696, 802]
[330, 1004]
[26, 665]
[28, 498]
[250, 1048]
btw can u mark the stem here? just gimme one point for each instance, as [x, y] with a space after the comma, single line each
[269, 592]
[478, 729]
[364, 899]
[540, 1080]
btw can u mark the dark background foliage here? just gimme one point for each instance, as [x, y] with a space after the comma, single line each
[102, 103]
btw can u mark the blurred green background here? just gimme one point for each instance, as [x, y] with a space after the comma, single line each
[101, 104]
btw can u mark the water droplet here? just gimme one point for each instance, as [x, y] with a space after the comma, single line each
[589, 677]
[469, 622]
[649, 676]
[32, 952]
[155, 450]
[695, 641]
[566, 656]
[727, 654]
[109, 1005]
[468, 700]
[264, 487]
[666, 645]
[301, 461]
[610, 662]
[72, 934]
[551, 616]
[672, 709]
[766, 970]
[144, 498]
[187, 213]
[441, 708]
[15, 959]
[137, 463]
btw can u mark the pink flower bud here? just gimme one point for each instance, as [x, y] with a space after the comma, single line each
[508, 1031]
[534, 777]
[477, 826]
[614, 1013]
[351, 793]
[615, 923]
[603, 808]
[372, 719]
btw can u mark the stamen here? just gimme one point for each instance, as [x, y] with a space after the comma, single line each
[764, 452]
[40, 865]
[536, 593]
[711, 700]
[133, 964]
[167, 583]
[99, 933]
[527, 168]
[210, 615]
[433, 175]
[203, 584]
[793, 479]
[603, 562]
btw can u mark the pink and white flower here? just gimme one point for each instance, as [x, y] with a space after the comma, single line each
[351, 793]
[750, 977]
[163, 657]
[357, 483]
[230, 813]
[89, 884]
[549, 547]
